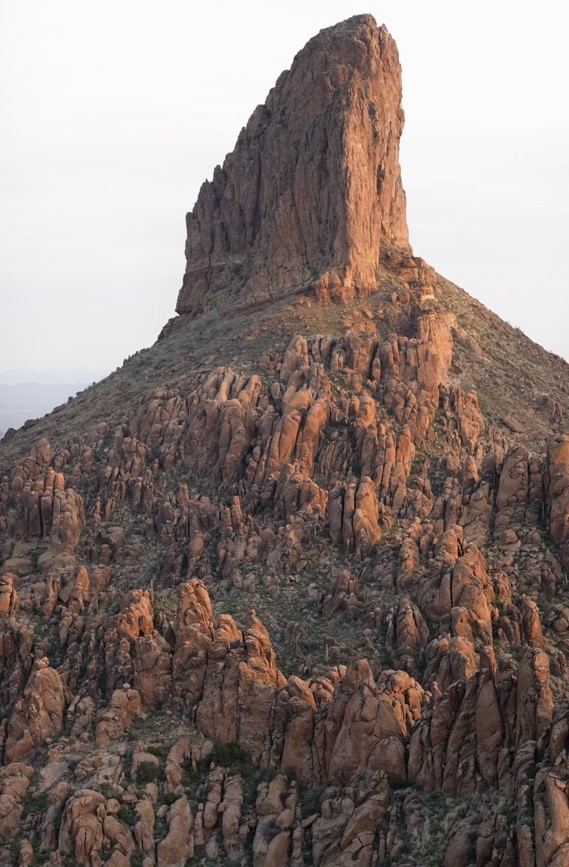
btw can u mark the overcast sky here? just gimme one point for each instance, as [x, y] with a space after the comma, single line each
[113, 113]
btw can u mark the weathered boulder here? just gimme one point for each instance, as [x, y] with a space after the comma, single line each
[38, 715]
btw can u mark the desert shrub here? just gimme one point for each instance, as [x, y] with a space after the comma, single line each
[147, 772]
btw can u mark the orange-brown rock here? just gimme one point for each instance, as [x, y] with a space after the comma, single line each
[558, 492]
[407, 634]
[534, 709]
[14, 783]
[313, 183]
[175, 849]
[49, 510]
[552, 822]
[354, 517]
[343, 596]
[88, 823]
[8, 596]
[16, 662]
[275, 807]
[346, 831]
[125, 705]
[241, 680]
[38, 715]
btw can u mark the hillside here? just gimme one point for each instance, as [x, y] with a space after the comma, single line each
[290, 586]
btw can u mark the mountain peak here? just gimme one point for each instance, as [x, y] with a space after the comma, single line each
[295, 577]
[313, 183]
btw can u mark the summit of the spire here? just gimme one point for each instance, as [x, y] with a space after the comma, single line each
[313, 184]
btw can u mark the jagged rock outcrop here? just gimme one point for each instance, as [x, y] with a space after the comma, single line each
[8, 596]
[558, 465]
[14, 783]
[313, 184]
[124, 707]
[38, 715]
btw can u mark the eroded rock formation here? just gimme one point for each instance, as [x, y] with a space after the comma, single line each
[313, 184]
[287, 588]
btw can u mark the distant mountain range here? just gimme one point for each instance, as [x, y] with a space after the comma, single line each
[27, 400]
[55, 376]
[28, 393]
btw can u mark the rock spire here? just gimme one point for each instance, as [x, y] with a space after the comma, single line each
[313, 183]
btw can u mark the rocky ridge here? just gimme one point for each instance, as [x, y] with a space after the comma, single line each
[289, 588]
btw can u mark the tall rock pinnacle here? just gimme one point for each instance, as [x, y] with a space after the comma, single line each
[313, 184]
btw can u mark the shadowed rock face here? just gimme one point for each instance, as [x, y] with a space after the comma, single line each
[313, 184]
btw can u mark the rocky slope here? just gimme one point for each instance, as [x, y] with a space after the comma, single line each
[290, 586]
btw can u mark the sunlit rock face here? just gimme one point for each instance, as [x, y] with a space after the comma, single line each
[313, 184]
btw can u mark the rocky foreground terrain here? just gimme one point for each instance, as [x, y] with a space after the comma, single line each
[290, 587]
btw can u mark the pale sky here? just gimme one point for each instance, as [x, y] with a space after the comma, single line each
[113, 113]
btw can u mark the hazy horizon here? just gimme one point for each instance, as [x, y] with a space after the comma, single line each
[115, 114]
[50, 376]
[30, 400]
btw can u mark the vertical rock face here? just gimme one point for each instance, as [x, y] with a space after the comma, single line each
[558, 464]
[313, 183]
